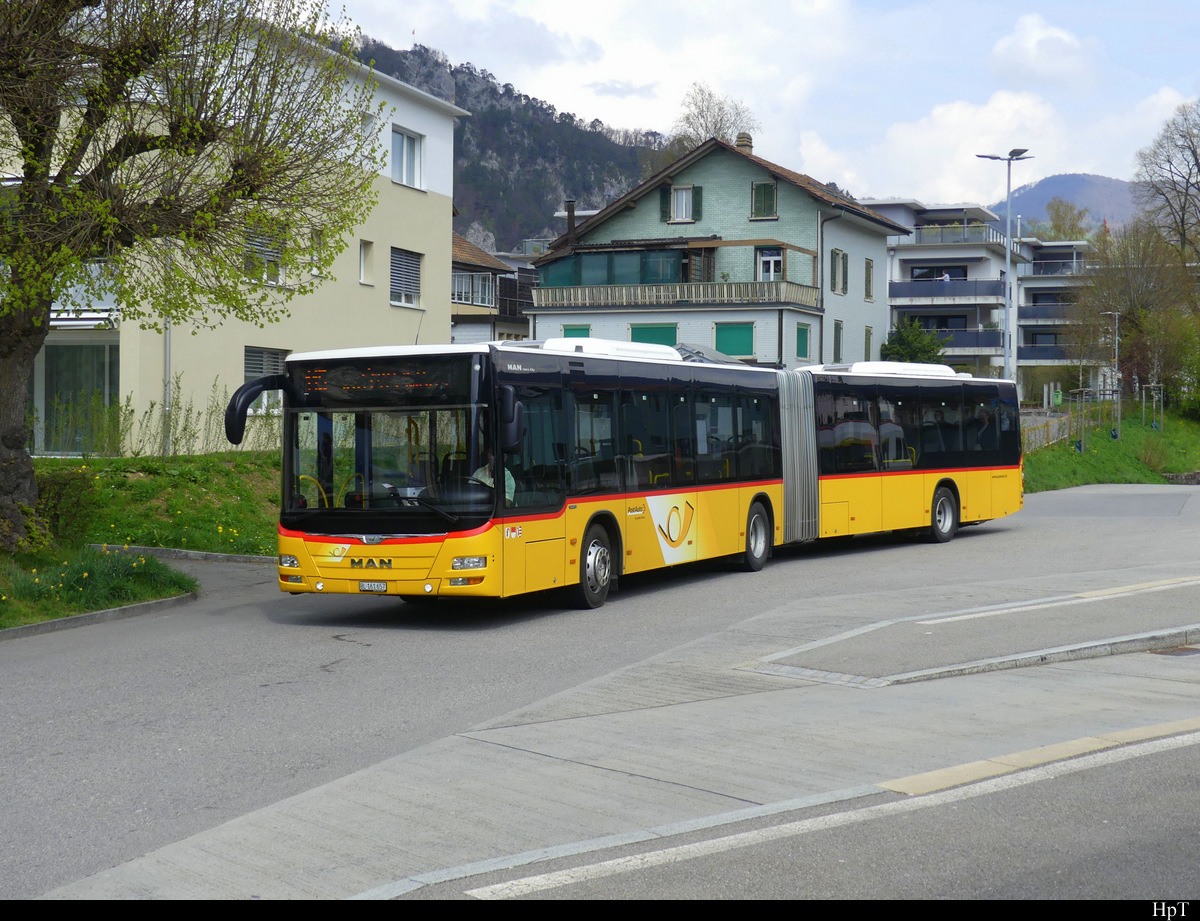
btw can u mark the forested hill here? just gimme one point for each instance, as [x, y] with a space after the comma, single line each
[516, 158]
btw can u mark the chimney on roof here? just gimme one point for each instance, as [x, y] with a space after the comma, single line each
[570, 206]
[744, 142]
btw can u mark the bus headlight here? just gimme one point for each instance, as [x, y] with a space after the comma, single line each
[288, 561]
[469, 562]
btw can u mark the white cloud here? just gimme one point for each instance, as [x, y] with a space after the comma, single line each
[1109, 144]
[824, 164]
[1036, 52]
[934, 158]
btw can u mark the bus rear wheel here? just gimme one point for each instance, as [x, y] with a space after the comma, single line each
[758, 541]
[943, 523]
[595, 568]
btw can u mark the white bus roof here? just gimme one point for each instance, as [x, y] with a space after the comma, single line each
[387, 351]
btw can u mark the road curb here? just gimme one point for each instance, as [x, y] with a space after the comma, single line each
[96, 617]
[133, 610]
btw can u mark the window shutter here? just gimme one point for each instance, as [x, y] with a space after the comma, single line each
[697, 202]
[845, 273]
[406, 276]
[664, 203]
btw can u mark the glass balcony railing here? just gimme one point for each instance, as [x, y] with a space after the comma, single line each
[1041, 353]
[1055, 267]
[1042, 312]
[938, 235]
[954, 287]
[974, 339]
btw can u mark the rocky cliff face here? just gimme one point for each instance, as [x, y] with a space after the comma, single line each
[516, 157]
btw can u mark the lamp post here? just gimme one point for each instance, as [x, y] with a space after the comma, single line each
[1010, 349]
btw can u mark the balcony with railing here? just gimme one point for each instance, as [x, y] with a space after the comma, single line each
[929, 288]
[1054, 267]
[1055, 312]
[982, 341]
[943, 234]
[719, 292]
[1040, 353]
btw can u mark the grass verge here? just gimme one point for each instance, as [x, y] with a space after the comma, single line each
[58, 583]
[1142, 455]
[220, 503]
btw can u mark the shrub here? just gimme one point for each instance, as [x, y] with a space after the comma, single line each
[66, 502]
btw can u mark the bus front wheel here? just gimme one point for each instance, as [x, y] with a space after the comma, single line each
[944, 517]
[758, 540]
[595, 568]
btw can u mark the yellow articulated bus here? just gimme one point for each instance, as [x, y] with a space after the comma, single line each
[496, 469]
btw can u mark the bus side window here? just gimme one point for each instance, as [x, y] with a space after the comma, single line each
[644, 420]
[758, 437]
[594, 463]
[537, 467]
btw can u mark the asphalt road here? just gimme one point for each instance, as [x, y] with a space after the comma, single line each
[488, 732]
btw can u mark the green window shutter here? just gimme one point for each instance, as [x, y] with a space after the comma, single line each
[577, 332]
[801, 341]
[697, 202]
[658, 333]
[736, 339]
[664, 203]
[837, 341]
[845, 273]
[763, 204]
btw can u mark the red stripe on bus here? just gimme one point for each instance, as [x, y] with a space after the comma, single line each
[938, 472]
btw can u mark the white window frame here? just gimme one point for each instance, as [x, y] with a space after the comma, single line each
[263, 258]
[765, 256]
[366, 262]
[808, 341]
[681, 199]
[408, 149]
[478, 288]
[839, 269]
[404, 288]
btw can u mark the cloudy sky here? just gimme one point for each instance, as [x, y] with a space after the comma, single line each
[884, 97]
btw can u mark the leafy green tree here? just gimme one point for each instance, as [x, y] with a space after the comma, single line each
[1063, 221]
[1138, 274]
[909, 341]
[164, 151]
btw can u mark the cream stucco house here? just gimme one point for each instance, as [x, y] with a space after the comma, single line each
[391, 284]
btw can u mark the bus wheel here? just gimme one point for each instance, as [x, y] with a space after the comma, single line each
[758, 541]
[595, 568]
[944, 519]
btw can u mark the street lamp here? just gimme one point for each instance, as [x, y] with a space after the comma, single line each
[1017, 153]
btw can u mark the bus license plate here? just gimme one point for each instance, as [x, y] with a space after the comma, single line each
[372, 586]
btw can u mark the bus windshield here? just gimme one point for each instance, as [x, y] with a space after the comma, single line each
[390, 447]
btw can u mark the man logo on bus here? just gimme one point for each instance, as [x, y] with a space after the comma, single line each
[678, 524]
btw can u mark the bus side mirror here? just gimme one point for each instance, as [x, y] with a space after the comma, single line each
[244, 396]
[512, 420]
